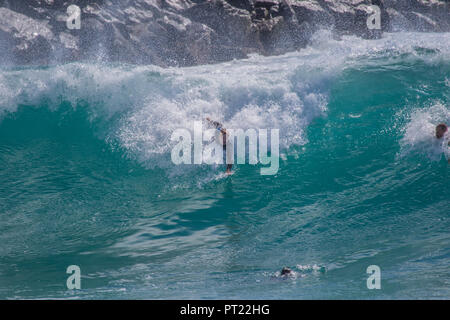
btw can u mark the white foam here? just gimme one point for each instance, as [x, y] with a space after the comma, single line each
[420, 132]
[147, 103]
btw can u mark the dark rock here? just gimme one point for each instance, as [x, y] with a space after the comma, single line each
[242, 4]
[267, 4]
[25, 40]
[261, 13]
[313, 12]
[190, 32]
[274, 11]
[234, 26]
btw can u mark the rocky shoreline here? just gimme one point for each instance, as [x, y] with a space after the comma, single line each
[192, 32]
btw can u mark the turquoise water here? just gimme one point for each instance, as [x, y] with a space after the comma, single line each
[86, 177]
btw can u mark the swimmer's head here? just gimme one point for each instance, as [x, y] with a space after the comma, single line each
[441, 129]
[286, 271]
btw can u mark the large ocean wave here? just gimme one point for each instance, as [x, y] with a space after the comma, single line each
[86, 176]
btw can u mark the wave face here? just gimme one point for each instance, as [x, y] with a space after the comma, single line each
[86, 177]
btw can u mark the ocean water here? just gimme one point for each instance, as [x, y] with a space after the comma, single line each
[86, 177]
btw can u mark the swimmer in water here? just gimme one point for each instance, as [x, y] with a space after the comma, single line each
[441, 129]
[286, 271]
[222, 130]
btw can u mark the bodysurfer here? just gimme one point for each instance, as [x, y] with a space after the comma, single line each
[441, 130]
[224, 137]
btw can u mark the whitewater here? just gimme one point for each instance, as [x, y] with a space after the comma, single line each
[86, 176]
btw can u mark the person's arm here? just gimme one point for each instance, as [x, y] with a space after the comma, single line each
[214, 123]
[218, 125]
